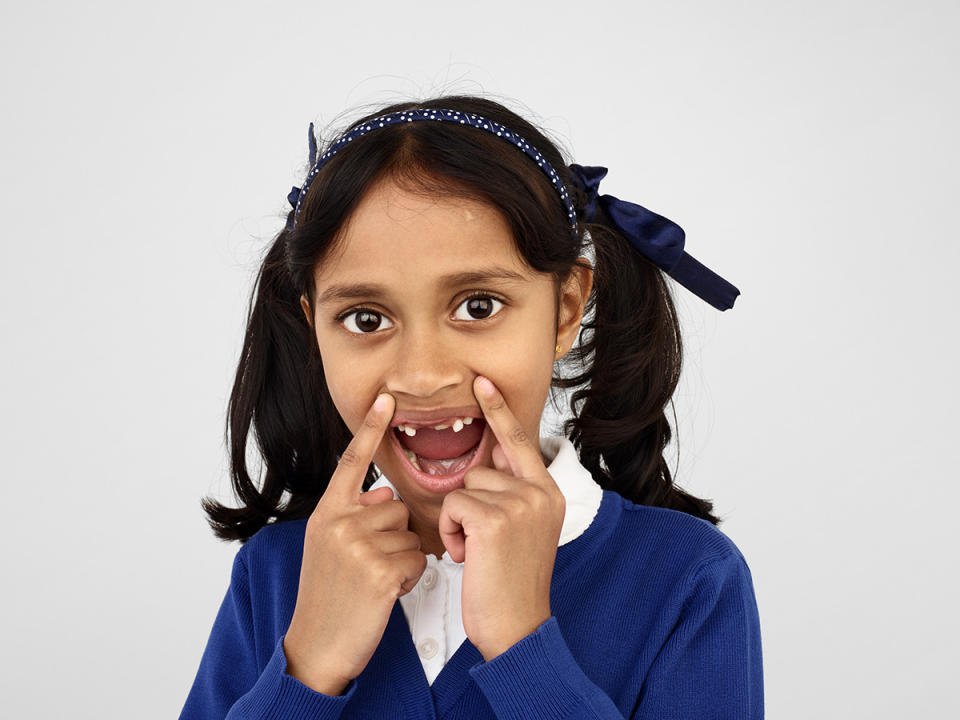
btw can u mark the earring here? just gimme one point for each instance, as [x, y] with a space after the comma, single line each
[558, 349]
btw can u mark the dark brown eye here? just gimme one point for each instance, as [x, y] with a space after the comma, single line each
[480, 307]
[363, 321]
[367, 321]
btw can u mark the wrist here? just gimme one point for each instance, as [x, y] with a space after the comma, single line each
[510, 638]
[315, 676]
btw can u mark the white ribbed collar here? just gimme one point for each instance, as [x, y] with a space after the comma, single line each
[580, 490]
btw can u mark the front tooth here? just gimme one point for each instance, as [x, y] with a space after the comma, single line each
[440, 427]
[467, 420]
[457, 425]
[410, 431]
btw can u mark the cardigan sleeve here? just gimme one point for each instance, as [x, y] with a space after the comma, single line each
[709, 666]
[537, 677]
[230, 685]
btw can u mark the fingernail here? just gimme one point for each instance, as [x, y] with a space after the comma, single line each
[380, 404]
[486, 387]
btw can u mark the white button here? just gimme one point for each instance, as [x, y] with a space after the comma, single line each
[429, 578]
[428, 648]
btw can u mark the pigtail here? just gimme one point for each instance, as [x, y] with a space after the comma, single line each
[631, 346]
[279, 391]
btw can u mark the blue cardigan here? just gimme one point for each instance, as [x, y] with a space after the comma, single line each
[654, 618]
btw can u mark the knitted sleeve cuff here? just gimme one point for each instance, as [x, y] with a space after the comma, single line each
[537, 677]
[279, 696]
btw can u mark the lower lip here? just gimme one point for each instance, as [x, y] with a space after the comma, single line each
[441, 483]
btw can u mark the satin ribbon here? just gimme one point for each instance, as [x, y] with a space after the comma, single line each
[656, 237]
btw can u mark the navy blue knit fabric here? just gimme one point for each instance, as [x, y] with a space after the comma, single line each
[654, 618]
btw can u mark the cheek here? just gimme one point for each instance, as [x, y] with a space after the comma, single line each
[523, 348]
[524, 380]
[350, 386]
[345, 403]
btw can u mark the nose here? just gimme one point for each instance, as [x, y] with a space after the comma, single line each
[424, 365]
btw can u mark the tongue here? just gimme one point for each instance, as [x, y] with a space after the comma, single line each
[443, 444]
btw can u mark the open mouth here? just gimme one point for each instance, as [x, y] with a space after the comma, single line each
[438, 459]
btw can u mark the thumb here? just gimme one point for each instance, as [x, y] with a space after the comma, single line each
[372, 497]
[451, 534]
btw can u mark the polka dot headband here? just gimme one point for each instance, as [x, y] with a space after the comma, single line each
[656, 237]
[451, 116]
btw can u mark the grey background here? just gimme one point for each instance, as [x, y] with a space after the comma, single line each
[809, 150]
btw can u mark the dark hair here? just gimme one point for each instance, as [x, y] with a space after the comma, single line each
[629, 352]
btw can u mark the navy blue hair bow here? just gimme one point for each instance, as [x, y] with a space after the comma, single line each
[656, 237]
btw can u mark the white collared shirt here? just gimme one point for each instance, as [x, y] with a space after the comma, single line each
[433, 608]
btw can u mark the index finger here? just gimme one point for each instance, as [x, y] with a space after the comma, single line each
[347, 479]
[520, 450]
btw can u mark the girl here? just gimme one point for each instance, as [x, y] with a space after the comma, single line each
[416, 549]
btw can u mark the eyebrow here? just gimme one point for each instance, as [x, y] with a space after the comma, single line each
[355, 290]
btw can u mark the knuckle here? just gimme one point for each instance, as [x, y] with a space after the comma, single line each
[409, 580]
[471, 476]
[497, 403]
[401, 511]
[518, 436]
[498, 518]
[539, 497]
[408, 586]
[339, 530]
[350, 457]
[535, 502]
[384, 581]
[371, 423]
[362, 550]
[398, 574]
[383, 577]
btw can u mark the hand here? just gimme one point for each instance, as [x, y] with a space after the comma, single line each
[504, 525]
[358, 557]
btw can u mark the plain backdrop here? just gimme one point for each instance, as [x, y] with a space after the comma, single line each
[809, 150]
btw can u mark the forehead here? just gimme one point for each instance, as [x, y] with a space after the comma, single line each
[394, 233]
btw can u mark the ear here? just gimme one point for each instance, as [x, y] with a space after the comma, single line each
[573, 299]
[305, 304]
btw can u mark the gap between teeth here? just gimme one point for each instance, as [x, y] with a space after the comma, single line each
[457, 426]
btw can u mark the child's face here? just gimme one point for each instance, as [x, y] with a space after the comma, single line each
[417, 338]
